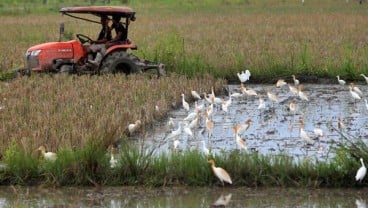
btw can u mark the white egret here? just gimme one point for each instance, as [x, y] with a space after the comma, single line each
[262, 103]
[225, 104]
[113, 161]
[187, 130]
[356, 89]
[365, 77]
[185, 103]
[176, 145]
[296, 82]
[303, 134]
[293, 90]
[354, 94]
[341, 82]
[209, 125]
[361, 172]
[133, 127]
[340, 125]
[176, 132]
[301, 94]
[292, 106]
[244, 76]
[271, 96]
[205, 150]
[239, 141]
[220, 173]
[196, 95]
[51, 156]
[280, 83]
[243, 127]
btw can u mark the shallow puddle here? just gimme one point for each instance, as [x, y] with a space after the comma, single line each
[274, 129]
[179, 197]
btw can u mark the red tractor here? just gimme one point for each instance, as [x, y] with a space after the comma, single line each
[73, 57]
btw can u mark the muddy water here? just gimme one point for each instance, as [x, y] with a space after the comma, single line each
[274, 129]
[180, 197]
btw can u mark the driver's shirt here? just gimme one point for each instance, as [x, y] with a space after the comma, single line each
[119, 28]
[104, 34]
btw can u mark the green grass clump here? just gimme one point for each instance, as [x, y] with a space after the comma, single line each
[141, 166]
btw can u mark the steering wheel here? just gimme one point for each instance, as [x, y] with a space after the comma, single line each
[84, 38]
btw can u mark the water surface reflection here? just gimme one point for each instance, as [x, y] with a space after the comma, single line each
[180, 197]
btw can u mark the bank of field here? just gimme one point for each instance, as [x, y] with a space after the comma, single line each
[79, 116]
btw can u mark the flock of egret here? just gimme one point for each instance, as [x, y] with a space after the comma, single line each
[212, 104]
[192, 122]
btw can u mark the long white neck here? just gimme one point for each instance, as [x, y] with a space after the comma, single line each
[361, 160]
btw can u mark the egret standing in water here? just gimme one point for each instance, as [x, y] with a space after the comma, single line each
[361, 172]
[185, 103]
[296, 82]
[341, 82]
[365, 77]
[220, 173]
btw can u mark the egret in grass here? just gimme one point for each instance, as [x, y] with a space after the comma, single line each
[185, 103]
[196, 95]
[205, 150]
[50, 156]
[220, 173]
[341, 82]
[176, 145]
[113, 161]
[134, 126]
[361, 172]
[296, 81]
[365, 77]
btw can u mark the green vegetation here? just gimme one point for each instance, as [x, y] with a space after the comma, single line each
[137, 166]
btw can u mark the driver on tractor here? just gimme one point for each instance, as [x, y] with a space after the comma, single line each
[120, 30]
[98, 46]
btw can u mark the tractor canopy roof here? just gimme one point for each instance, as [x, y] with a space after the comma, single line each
[122, 11]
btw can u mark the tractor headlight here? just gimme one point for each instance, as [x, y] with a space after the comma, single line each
[35, 53]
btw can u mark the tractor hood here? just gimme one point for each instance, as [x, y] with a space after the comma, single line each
[52, 46]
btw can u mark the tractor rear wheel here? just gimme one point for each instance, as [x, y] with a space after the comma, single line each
[120, 61]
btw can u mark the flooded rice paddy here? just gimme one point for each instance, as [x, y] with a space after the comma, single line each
[275, 128]
[180, 197]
